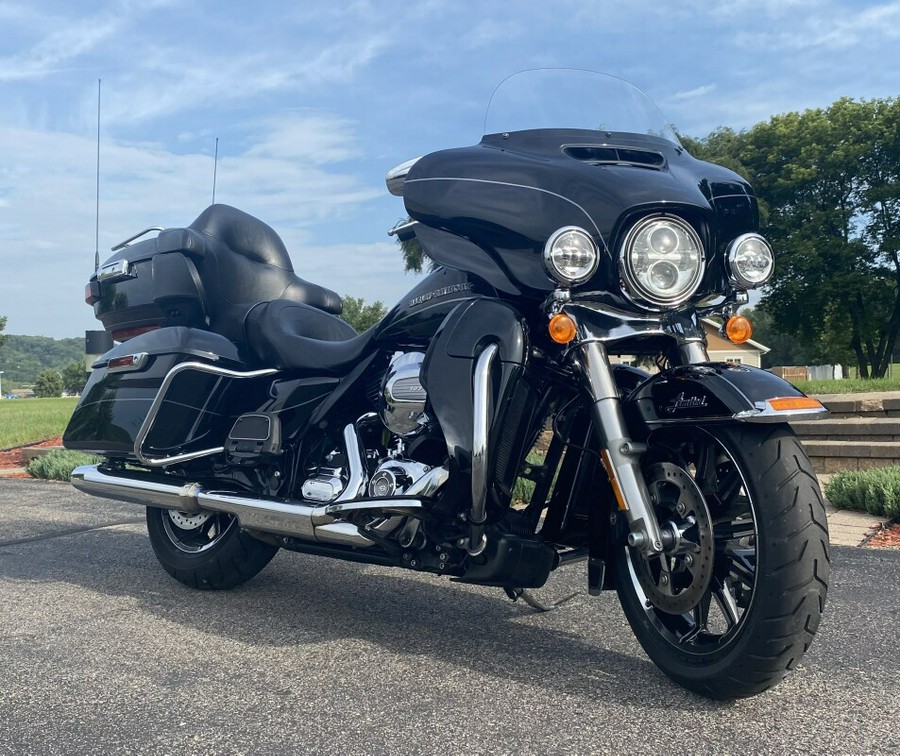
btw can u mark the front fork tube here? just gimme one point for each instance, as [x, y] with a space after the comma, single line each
[621, 456]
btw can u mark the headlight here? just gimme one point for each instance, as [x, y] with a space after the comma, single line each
[571, 256]
[662, 261]
[751, 260]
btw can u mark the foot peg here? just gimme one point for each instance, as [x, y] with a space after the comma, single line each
[254, 435]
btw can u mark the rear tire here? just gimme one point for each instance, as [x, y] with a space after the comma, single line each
[208, 550]
[763, 593]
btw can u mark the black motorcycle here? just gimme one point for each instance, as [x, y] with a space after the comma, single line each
[490, 427]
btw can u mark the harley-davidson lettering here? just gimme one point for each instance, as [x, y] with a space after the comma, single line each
[442, 292]
[682, 402]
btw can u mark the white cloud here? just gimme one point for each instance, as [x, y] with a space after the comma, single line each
[489, 32]
[693, 94]
[841, 27]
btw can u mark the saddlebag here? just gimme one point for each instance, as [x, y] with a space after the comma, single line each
[126, 380]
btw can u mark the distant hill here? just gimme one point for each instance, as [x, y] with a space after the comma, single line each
[23, 357]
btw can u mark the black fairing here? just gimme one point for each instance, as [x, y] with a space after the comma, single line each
[509, 193]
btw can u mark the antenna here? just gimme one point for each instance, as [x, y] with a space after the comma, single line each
[97, 223]
[215, 169]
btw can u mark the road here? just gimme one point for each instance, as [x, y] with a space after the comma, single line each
[102, 652]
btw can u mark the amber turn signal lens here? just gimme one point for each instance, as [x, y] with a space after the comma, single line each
[787, 403]
[738, 329]
[562, 328]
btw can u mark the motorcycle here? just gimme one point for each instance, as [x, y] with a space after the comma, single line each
[576, 236]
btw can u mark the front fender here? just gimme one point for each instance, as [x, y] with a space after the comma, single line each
[718, 392]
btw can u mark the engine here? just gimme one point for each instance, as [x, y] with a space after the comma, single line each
[402, 397]
[401, 408]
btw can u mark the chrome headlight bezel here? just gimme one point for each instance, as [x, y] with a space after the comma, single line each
[552, 250]
[637, 290]
[732, 255]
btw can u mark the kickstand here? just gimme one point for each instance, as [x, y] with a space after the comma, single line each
[533, 601]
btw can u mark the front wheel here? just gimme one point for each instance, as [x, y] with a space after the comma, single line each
[736, 598]
[206, 550]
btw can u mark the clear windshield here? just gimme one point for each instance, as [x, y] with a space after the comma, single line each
[556, 98]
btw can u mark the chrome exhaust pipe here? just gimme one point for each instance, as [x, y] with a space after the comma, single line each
[298, 519]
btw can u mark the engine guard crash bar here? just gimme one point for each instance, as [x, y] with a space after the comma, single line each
[481, 410]
[300, 519]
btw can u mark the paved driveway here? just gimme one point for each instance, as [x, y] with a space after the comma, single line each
[103, 653]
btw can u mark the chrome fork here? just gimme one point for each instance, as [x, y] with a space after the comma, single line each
[621, 456]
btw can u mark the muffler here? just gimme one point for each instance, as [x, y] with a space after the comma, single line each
[317, 523]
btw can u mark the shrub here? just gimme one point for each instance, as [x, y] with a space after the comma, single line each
[49, 384]
[58, 464]
[874, 491]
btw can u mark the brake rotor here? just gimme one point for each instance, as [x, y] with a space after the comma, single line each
[676, 580]
[187, 521]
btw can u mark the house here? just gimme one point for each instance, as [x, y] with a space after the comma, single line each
[719, 348]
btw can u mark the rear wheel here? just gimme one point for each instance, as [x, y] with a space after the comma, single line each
[736, 598]
[206, 550]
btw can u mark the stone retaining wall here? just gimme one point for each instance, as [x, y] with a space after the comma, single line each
[862, 432]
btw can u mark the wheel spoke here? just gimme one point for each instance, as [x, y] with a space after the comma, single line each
[729, 485]
[733, 530]
[699, 620]
[726, 601]
[741, 566]
[705, 466]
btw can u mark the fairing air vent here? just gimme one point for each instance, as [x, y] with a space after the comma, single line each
[607, 155]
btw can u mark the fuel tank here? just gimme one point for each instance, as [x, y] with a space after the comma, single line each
[416, 318]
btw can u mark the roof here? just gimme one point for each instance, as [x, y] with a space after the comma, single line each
[714, 336]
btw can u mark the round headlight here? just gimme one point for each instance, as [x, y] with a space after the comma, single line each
[571, 256]
[662, 261]
[751, 260]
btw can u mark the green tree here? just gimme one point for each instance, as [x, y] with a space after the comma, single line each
[829, 185]
[74, 376]
[2, 326]
[785, 348]
[360, 315]
[49, 384]
[415, 258]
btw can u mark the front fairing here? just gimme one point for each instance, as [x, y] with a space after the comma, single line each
[510, 192]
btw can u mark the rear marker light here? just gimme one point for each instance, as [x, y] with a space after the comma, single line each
[128, 362]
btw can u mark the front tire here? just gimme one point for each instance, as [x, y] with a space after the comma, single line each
[729, 612]
[206, 550]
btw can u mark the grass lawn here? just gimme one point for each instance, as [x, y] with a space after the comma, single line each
[849, 386]
[25, 420]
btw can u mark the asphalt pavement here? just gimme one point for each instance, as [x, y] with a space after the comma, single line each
[102, 652]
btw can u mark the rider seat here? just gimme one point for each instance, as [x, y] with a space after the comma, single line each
[294, 336]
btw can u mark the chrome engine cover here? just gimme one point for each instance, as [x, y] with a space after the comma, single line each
[402, 400]
[394, 476]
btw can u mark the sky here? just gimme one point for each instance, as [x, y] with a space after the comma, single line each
[313, 102]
